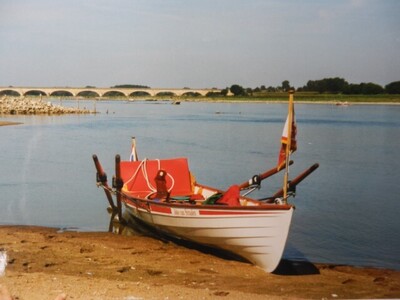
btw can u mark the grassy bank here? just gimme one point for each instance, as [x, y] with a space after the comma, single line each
[307, 97]
[314, 97]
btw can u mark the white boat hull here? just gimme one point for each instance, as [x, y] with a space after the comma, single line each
[257, 234]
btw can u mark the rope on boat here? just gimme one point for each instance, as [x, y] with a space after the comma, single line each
[143, 167]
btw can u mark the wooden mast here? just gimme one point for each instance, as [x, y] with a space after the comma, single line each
[288, 146]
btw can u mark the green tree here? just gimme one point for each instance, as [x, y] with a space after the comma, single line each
[364, 88]
[393, 87]
[285, 85]
[371, 88]
[131, 86]
[353, 88]
[237, 90]
[327, 85]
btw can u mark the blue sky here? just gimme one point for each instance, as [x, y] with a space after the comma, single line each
[197, 44]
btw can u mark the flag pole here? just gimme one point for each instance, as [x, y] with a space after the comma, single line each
[288, 146]
[134, 156]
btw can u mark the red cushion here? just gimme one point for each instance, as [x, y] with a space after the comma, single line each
[231, 196]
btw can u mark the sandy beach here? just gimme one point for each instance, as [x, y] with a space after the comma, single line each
[43, 263]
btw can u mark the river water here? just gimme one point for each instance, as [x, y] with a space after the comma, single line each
[346, 211]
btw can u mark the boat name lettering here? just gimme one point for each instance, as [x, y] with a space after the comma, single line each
[185, 212]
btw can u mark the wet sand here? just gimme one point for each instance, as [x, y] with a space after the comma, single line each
[43, 263]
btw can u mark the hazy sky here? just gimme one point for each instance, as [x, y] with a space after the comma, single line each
[197, 43]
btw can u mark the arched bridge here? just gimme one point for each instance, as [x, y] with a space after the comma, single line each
[102, 92]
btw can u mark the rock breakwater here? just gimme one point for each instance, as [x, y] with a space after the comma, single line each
[31, 106]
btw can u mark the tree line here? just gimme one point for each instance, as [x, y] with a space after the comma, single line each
[327, 85]
[339, 85]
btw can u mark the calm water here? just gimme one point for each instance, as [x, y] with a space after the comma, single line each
[347, 211]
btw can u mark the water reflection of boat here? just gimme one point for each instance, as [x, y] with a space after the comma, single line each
[163, 194]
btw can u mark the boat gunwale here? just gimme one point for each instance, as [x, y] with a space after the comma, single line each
[129, 199]
[259, 206]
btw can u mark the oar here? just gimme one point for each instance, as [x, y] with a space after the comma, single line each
[292, 183]
[256, 179]
[102, 178]
[118, 186]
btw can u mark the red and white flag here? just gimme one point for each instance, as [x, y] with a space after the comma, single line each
[284, 140]
[133, 156]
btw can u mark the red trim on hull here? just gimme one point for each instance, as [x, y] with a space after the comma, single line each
[160, 209]
[226, 213]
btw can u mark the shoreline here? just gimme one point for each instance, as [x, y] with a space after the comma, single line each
[44, 262]
[6, 123]
[284, 102]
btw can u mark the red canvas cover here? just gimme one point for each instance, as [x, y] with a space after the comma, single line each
[178, 176]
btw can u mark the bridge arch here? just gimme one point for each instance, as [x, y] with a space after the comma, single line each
[165, 93]
[191, 94]
[35, 93]
[139, 94]
[10, 92]
[87, 94]
[61, 93]
[114, 93]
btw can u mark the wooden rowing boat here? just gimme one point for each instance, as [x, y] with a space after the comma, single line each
[164, 195]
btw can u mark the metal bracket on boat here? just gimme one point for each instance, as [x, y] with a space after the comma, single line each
[255, 181]
[101, 179]
[254, 184]
[291, 190]
[117, 183]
